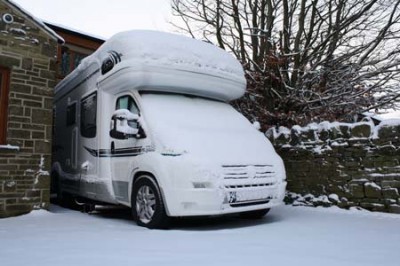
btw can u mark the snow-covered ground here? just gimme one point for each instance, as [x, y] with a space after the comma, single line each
[286, 236]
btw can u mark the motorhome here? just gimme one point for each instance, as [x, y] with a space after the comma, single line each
[145, 122]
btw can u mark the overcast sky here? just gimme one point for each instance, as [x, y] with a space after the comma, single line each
[102, 18]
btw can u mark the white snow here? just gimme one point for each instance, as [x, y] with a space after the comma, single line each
[337, 144]
[177, 51]
[316, 146]
[41, 172]
[257, 125]
[73, 29]
[39, 22]
[10, 184]
[321, 149]
[190, 124]
[169, 62]
[286, 236]
[9, 147]
[18, 31]
[383, 124]
[334, 197]
[372, 185]
[125, 114]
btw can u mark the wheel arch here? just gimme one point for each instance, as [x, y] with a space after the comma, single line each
[153, 178]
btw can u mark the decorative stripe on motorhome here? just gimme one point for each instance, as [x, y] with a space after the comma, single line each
[125, 152]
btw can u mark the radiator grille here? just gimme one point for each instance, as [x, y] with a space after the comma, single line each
[246, 176]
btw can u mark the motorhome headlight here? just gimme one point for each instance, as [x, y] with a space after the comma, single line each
[202, 184]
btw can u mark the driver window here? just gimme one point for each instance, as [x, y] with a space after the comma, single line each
[127, 102]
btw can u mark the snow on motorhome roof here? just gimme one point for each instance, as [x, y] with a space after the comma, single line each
[163, 62]
[172, 50]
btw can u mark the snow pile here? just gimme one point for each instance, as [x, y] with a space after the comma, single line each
[311, 200]
[9, 147]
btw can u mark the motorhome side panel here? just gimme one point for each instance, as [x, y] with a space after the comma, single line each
[75, 112]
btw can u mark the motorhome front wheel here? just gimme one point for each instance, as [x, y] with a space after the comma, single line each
[147, 205]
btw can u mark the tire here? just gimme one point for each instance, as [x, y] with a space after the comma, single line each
[148, 208]
[254, 215]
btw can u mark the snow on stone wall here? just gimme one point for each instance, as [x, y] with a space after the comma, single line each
[349, 165]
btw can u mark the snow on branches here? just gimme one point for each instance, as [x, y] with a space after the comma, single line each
[305, 60]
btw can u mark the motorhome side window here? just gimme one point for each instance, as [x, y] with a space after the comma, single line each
[88, 116]
[71, 114]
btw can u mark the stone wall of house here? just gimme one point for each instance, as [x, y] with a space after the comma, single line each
[29, 53]
[349, 165]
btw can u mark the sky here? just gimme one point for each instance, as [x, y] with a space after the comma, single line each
[102, 18]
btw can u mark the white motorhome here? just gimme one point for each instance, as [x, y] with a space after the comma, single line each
[145, 122]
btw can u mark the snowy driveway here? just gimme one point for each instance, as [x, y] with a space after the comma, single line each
[286, 236]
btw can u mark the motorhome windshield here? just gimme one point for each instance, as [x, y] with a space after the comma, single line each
[172, 112]
[205, 128]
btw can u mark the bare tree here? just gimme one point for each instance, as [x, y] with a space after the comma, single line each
[305, 59]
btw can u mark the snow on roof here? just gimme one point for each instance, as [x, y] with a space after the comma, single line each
[214, 72]
[171, 49]
[73, 30]
[37, 21]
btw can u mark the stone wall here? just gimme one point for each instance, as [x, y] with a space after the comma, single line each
[349, 165]
[29, 52]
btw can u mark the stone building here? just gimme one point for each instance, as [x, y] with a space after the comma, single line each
[34, 57]
[28, 50]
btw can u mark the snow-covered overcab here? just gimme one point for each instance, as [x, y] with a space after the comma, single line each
[145, 122]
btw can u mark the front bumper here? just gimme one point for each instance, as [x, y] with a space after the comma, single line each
[219, 201]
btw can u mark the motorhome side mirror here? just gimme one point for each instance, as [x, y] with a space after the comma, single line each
[124, 124]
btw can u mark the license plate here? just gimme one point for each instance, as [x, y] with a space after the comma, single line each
[248, 195]
[232, 198]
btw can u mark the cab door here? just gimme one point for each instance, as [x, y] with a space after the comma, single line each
[125, 149]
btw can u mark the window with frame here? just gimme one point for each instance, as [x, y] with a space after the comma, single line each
[71, 114]
[88, 116]
[4, 89]
[127, 102]
[69, 61]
